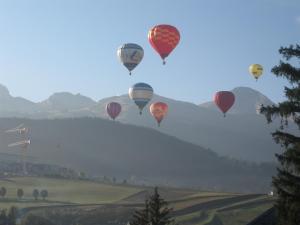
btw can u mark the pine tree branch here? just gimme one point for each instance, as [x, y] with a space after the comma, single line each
[282, 191]
[285, 139]
[287, 71]
[289, 182]
[285, 110]
[290, 159]
[291, 51]
[290, 178]
[293, 94]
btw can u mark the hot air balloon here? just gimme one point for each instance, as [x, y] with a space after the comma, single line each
[113, 109]
[130, 55]
[158, 111]
[256, 70]
[164, 38]
[141, 94]
[224, 100]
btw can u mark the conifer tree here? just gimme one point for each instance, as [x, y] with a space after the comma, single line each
[141, 217]
[287, 180]
[159, 213]
[155, 212]
[3, 217]
[12, 216]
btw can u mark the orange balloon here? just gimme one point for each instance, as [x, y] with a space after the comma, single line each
[159, 111]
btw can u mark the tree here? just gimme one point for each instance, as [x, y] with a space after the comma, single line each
[159, 212]
[12, 216]
[3, 192]
[20, 193]
[141, 217]
[36, 194]
[3, 217]
[287, 180]
[31, 219]
[155, 212]
[44, 194]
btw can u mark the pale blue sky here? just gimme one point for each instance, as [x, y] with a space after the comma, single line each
[49, 46]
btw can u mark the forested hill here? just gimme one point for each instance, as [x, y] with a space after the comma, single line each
[101, 147]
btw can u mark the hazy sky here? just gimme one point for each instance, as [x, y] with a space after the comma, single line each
[49, 46]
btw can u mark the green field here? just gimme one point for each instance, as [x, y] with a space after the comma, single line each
[232, 212]
[191, 207]
[63, 191]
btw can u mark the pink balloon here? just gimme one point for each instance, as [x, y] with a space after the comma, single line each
[113, 109]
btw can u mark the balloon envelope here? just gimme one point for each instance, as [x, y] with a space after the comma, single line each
[256, 70]
[159, 111]
[224, 100]
[113, 109]
[164, 38]
[130, 55]
[141, 94]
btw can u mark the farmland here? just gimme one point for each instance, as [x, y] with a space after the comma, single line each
[79, 200]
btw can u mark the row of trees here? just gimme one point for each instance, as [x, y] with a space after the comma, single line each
[36, 194]
[20, 193]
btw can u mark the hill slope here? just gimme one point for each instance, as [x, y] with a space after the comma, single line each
[102, 147]
[247, 101]
[243, 134]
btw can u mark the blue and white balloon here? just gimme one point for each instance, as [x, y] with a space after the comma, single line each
[141, 94]
[130, 55]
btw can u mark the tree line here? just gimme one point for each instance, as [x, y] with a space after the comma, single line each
[20, 193]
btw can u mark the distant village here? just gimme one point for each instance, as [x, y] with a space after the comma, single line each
[11, 169]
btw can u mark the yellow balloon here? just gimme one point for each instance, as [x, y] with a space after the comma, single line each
[256, 70]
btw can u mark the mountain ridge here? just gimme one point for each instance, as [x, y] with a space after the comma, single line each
[248, 101]
[243, 134]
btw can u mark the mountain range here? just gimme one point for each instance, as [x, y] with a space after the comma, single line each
[243, 134]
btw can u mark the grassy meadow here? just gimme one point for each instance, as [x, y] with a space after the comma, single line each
[191, 207]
